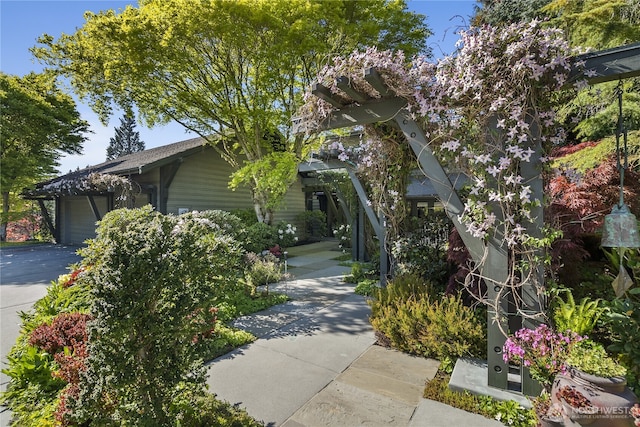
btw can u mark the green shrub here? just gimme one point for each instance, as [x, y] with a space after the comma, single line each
[262, 269]
[359, 272]
[32, 393]
[247, 216]
[423, 251]
[223, 341]
[453, 330]
[623, 320]
[591, 357]
[401, 288]
[151, 278]
[260, 237]
[192, 407]
[221, 222]
[366, 287]
[443, 329]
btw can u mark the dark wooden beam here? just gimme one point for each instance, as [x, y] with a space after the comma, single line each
[324, 92]
[374, 79]
[375, 111]
[167, 173]
[94, 207]
[47, 218]
[345, 86]
[620, 62]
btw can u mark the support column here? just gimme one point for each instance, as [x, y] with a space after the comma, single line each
[495, 273]
[362, 235]
[94, 207]
[533, 280]
[47, 219]
[376, 223]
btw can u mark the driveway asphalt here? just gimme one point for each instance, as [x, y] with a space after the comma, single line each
[25, 274]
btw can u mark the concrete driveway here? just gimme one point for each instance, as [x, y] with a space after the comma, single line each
[25, 273]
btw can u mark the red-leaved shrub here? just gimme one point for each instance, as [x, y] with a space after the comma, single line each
[66, 330]
[66, 338]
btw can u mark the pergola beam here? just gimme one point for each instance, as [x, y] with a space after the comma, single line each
[372, 77]
[344, 85]
[374, 111]
[618, 63]
[324, 93]
[47, 219]
[431, 167]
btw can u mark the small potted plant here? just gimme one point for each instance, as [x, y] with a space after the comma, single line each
[544, 351]
[593, 389]
[550, 414]
[575, 404]
[590, 361]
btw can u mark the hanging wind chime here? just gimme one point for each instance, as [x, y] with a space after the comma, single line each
[621, 226]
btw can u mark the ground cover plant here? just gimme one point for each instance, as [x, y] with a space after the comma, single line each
[508, 412]
[157, 290]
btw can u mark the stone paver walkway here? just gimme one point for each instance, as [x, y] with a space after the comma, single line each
[315, 363]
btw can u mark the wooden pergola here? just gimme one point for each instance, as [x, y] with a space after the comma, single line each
[607, 65]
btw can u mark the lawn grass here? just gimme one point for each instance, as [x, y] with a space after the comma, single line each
[4, 245]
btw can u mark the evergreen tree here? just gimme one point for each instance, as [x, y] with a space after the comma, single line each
[126, 140]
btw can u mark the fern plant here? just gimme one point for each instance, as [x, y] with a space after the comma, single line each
[579, 318]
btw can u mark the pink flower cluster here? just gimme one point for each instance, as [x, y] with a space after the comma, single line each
[543, 350]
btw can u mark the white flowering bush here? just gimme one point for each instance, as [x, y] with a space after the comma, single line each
[286, 234]
[343, 234]
[481, 110]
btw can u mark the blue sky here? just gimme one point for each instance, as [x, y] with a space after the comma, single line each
[23, 21]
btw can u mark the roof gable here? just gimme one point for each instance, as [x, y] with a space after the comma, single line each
[129, 164]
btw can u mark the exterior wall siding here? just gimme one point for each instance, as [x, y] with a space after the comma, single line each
[78, 222]
[201, 184]
[294, 204]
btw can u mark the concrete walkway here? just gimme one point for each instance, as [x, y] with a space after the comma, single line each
[315, 362]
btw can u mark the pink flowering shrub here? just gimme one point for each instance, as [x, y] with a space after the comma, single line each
[542, 350]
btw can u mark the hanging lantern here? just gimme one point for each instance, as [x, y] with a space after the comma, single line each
[620, 229]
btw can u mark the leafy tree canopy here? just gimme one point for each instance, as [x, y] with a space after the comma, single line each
[39, 123]
[505, 12]
[231, 71]
[596, 25]
[126, 139]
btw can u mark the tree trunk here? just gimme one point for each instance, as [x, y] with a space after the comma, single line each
[258, 209]
[5, 216]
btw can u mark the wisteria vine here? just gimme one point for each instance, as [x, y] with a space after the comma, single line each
[482, 110]
[124, 188]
